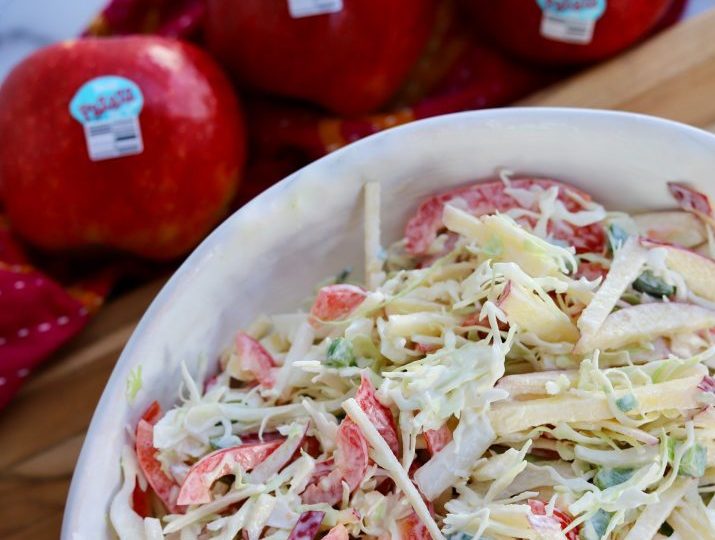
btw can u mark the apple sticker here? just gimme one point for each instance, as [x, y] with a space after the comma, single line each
[108, 108]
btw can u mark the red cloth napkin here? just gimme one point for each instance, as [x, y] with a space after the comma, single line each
[37, 313]
[40, 311]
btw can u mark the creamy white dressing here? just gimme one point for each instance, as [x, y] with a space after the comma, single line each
[438, 342]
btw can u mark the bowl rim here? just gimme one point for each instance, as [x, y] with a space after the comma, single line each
[82, 473]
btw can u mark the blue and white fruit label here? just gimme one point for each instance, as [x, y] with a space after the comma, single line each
[108, 108]
[308, 8]
[570, 21]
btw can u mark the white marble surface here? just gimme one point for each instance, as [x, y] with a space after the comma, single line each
[26, 25]
[698, 6]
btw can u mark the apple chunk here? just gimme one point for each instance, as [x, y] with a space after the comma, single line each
[502, 239]
[672, 227]
[535, 314]
[326, 58]
[524, 384]
[510, 416]
[158, 203]
[648, 321]
[626, 266]
[697, 271]
[691, 200]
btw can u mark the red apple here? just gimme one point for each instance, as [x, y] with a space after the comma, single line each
[157, 203]
[518, 27]
[350, 61]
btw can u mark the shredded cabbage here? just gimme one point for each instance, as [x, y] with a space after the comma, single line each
[489, 388]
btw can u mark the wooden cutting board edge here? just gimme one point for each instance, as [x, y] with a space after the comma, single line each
[671, 75]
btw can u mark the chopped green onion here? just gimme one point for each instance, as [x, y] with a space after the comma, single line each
[672, 444]
[595, 528]
[631, 298]
[694, 462]
[627, 403]
[340, 354]
[606, 478]
[616, 237]
[650, 284]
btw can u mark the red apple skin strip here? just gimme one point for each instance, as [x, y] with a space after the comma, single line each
[691, 200]
[557, 517]
[436, 439]
[253, 360]
[351, 458]
[307, 526]
[350, 465]
[165, 487]
[412, 528]
[489, 198]
[339, 532]
[196, 488]
[335, 302]
[380, 415]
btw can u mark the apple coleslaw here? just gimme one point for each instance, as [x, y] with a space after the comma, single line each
[522, 364]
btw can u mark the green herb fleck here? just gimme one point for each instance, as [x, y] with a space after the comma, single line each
[340, 354]
[693, 462]
[606, 478]
[617, 236]
[595, 528]
[627, 403]
[631, 298]
[652, 285]
[134, 383]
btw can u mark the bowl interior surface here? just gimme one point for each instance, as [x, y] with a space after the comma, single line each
[269, 255]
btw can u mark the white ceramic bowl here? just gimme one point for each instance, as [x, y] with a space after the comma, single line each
[271, 253]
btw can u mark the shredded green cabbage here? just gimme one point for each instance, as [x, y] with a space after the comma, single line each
[479, 363]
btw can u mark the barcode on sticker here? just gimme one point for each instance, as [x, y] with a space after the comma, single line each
[307, 8]
[567, 29]
[114, 138]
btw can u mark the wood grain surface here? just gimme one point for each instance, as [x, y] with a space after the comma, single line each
[672, 75]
